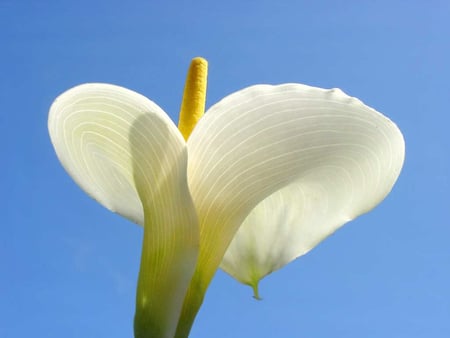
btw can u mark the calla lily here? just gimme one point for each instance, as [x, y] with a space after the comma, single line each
[264, 176]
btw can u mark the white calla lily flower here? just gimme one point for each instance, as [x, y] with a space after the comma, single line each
[264, 176]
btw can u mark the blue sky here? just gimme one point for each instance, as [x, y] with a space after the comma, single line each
[69, 267]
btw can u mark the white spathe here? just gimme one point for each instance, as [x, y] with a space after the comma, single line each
[127, 154]
[323, 157]
[273, 170]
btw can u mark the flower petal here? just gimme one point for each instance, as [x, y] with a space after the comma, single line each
[126, 153]
[264, 138]
[351, 158]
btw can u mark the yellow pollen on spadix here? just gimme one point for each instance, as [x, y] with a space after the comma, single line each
[194, 96]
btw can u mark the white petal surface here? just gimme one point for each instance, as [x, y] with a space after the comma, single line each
[126, 153]
[333, 157]
[89, 127]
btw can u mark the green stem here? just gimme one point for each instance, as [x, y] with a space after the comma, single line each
[194, 299]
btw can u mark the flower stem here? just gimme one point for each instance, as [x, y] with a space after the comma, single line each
[192, 303]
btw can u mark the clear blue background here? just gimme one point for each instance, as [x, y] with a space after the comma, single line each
[69, 267]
